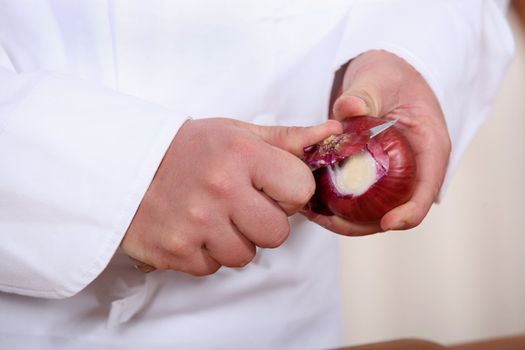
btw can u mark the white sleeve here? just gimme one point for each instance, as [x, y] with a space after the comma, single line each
[75, 162]
[461, 47]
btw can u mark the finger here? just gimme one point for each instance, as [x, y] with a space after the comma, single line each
[354, 104]
[341, 226]
[261, 221]
[184, 253]
[284, 178]
[200, 263]
[411, 213]
[432, 164]
[294, 139]
[370, 87]
[230, 248]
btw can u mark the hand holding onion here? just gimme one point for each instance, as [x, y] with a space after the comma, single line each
[381, 84]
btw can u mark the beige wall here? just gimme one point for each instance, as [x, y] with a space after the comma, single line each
[461, 274]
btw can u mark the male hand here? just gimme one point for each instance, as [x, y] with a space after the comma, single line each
[378, 83]
[223, 188]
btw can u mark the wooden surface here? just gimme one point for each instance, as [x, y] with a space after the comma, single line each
[508, 343]
[402, 344]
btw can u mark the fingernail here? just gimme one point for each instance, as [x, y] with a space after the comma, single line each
[335, 125]
[361, 103]
[351, 104]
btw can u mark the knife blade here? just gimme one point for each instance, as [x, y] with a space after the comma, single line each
[376, 130]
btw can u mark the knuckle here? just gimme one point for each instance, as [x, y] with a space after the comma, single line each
[198, 215]
[179, 247]
[219, 184]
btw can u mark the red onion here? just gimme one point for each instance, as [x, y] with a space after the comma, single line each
[358, 178]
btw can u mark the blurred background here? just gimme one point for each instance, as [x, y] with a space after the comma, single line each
[460, 275]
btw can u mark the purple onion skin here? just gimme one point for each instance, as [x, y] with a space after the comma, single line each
[393, 188]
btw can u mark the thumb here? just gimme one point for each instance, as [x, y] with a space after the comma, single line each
[358, 100]
[294, 139]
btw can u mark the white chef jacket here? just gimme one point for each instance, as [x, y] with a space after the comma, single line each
[93, 91]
